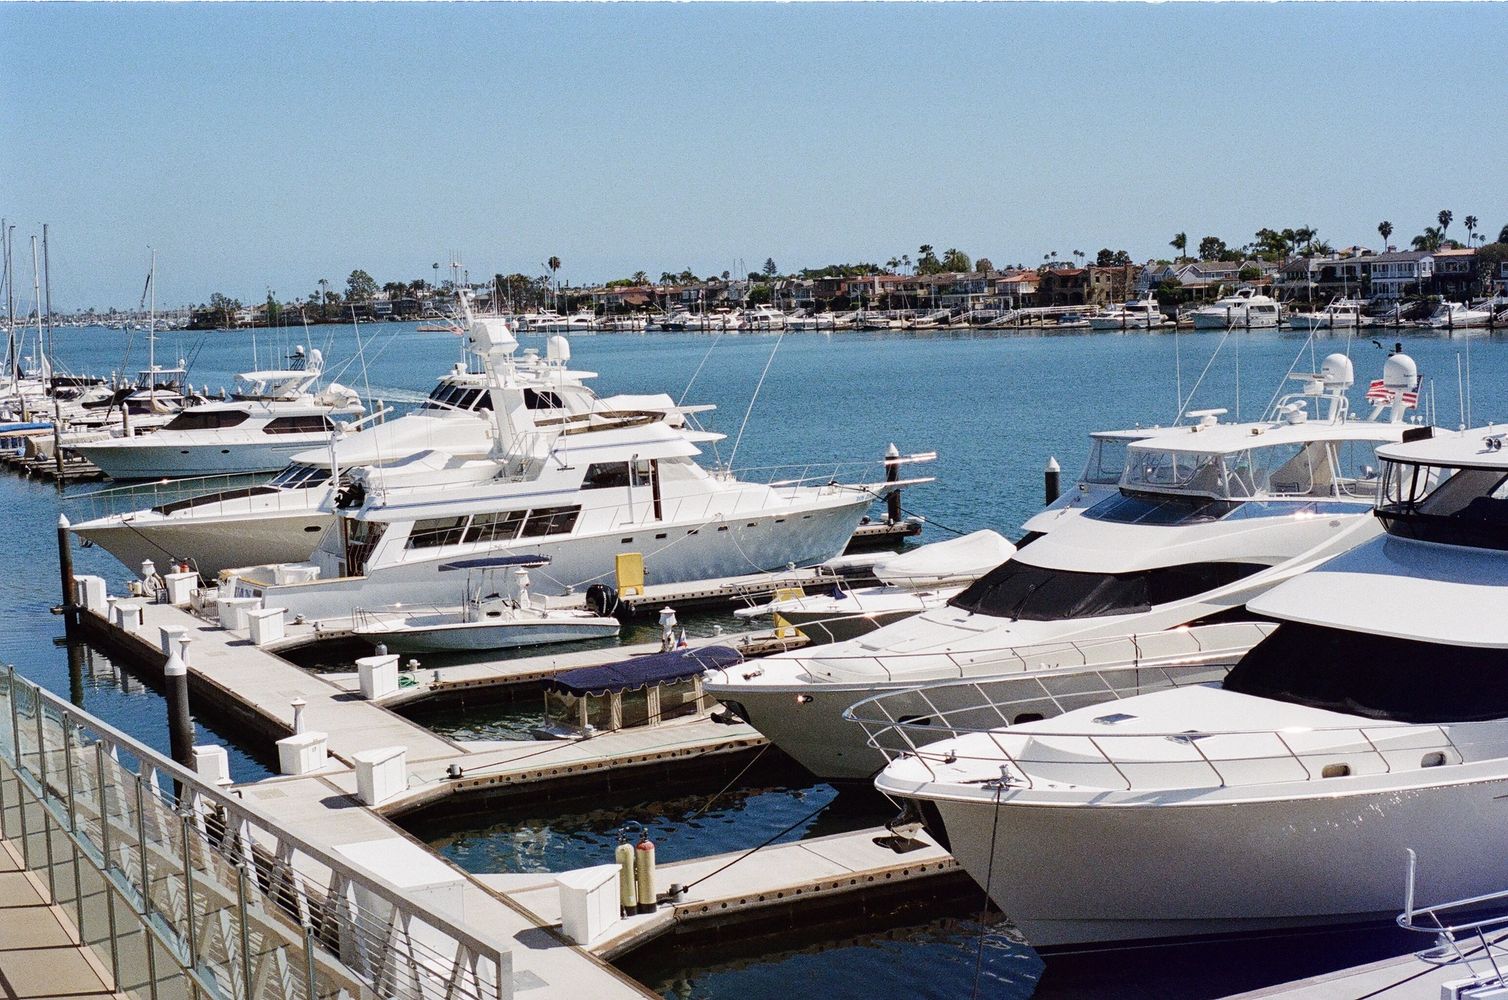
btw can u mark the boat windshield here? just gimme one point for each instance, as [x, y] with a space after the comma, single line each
[1455, 506]
[1289, 469]
[1017, 590]
[1374, 676]
[1107, 461]
[298, 476]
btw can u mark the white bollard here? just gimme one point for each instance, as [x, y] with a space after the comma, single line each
[378, 676]
[89, 593]
[381, 774]
[298, 715]
[266, 625]
[588, 902]
[212, 764]
[303, 753]
[129, 615]
[181, 587]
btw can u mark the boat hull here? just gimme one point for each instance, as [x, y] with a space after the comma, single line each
[1191, 864]
[483, 636]
[210, 545]
[140, 458]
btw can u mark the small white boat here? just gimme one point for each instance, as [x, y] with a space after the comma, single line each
[1136, 314]
[1342, 314]
[1246, 308]
[1455, 316]
[486, 620]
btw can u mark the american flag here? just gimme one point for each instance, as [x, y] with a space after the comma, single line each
[1379, 393]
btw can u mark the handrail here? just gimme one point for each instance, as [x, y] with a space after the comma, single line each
[308, 897]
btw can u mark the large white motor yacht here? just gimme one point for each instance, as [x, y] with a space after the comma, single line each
[577, 490]
[271, 416]
[1372, 720]
[1455, 316]
[1247, 309]
[1207, 517]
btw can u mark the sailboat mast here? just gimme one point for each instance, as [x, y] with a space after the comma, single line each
[57, 406]
[152, 336]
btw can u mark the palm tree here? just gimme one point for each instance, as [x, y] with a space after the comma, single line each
[892, 264]
[1470, 222]
[554, 265]
[1180, 242]
[324, 294]
[905, 262]
[1429, 240]
[1444, 219]
[640, 278]
[1385, 230]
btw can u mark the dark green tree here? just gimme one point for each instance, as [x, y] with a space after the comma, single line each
[360, 287]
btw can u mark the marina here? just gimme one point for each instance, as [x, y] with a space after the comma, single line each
[856, 872]
[691, 501]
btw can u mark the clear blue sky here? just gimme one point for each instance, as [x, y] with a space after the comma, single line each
[270, 145]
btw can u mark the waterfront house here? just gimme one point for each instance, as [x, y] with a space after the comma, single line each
[1154, 273]
[1015, 289]
[1063, 286]
[1455, 273]
[1395, 275]
[1112, 283]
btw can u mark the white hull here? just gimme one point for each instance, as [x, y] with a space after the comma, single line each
[211, 544]
[700, 552]
[462, 637]
[1196, 865]
[1236, 319]
[142, 458]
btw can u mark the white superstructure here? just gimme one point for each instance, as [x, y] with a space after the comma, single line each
[1246, 309]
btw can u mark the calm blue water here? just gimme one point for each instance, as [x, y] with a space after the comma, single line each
[995, 407]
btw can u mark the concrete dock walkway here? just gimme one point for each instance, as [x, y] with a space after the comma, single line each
[40, 954]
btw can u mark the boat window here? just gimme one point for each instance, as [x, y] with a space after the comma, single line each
[497, 527]
[432, 532]
[1161, 510]
[1356, 469]
[550, 521]
[1375, 676]
[1464, 506]
[542, 399]
[1107, 460]
[1158, 469]
[314, 423]
[210, 499]
[206, 420]
[1015, 589]
[606, 476]
[300, 477]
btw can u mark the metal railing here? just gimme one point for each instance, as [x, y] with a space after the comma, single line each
[184, 891]
[1147, 648]
[1471, 932]
[136, 496]
[927, 724]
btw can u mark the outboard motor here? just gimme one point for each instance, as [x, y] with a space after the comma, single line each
[602, 600]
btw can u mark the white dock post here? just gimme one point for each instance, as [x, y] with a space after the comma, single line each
[212, 763]
[234, 610]
[169, 637]
[89, 593]
[181, 587]
[298, 715]
[303, 753]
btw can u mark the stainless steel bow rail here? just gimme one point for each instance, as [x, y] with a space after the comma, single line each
[930, 724]
[183, 891]
[1469, 932]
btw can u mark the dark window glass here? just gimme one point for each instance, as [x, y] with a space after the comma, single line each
[542, 399]
[205, 420]
[1018, 590]
[209, 499]
[1452, 506]
[432, 532]
[315, 423]
[605, 476]
[550, 521]
[498, 527]
[1375, 676]
[1159, 509]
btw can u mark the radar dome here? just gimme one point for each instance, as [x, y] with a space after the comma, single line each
[557, 348]
[1400, 372]
[1337, 371]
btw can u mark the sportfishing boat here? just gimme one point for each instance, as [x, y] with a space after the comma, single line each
[1246, 309]
[911, 582]
[1373, 720]
[1207, 517]
[1134, 314]
[281, 521]
[760, 317]
[1341, 314]
[271, 416]
[1455, 316]
[486, 620]
[580, 489]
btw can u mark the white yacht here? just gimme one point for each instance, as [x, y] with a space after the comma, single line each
[281, 520]
[270, 416]
[578, 490]
[1246, 309]
[1207, 517]
[760, 317]
[1455, 316]
[1135, 314]
[1341, 314]
[1373, 720]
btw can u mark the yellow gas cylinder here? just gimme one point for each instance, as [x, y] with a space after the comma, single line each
[628, 898]
[644, 873]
